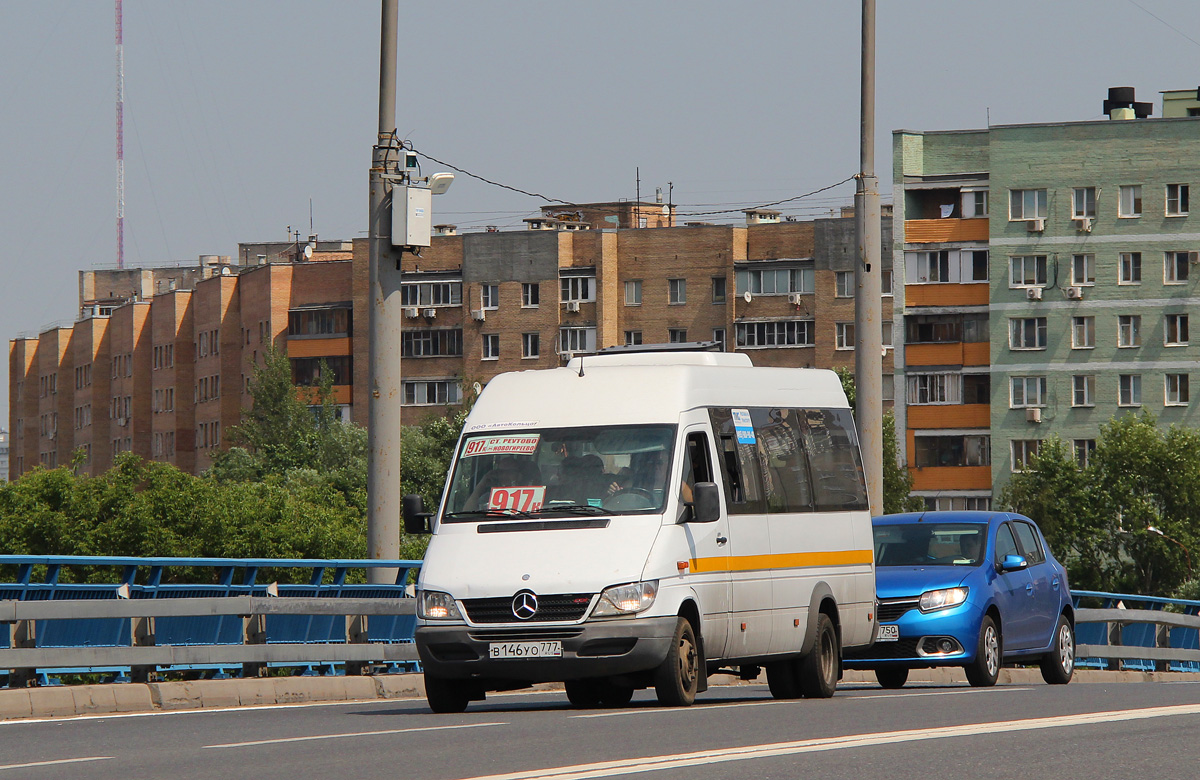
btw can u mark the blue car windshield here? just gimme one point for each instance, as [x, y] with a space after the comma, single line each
[929, 544]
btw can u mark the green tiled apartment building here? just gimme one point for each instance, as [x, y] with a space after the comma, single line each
[1091, 252]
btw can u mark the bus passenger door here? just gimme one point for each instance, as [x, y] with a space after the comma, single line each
[708, 545]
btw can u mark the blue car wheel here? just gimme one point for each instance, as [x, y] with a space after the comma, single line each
[985, 669]
[1058, 666]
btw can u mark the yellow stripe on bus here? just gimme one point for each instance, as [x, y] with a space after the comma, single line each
[781, 561]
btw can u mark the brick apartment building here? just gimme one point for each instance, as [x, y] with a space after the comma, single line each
[162, 369]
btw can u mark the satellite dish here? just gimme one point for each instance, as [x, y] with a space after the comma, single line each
[307, 251]
[747, 296]
[478, 388]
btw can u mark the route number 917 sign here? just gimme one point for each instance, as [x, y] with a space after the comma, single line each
[518, 499]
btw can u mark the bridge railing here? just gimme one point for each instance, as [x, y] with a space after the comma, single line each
[143, 621]
[1143, 633]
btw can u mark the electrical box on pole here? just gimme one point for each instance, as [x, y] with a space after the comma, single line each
[412, 215]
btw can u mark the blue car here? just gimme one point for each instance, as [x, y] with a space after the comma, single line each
[969, 589]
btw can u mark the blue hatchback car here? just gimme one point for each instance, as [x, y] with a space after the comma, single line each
[969, 589]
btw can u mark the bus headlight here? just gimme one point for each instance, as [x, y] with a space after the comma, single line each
[435, 605]
[626, 599]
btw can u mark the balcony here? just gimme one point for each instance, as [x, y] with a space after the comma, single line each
[946, 294]
[952, 478]
[934, 416]
[944, 231]
[954, 353]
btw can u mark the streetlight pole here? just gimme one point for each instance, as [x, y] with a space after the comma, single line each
[868, 274]
[386, 318]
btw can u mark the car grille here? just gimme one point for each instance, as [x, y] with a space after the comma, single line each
[890, 610]
[905, 648]
[556, 607]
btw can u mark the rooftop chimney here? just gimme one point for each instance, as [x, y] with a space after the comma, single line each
[1121, 104]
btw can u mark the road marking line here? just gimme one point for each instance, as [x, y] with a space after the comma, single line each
[694, 708]
[346, 735]
[55, 762]
[936, 693]
[772, 750]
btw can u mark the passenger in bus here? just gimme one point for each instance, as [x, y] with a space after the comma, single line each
[505, 473]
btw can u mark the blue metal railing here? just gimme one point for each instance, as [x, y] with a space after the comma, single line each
[143, 578]
[1115, 632]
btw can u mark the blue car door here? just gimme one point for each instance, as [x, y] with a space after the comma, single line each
[1014, 592]
[1043, 614]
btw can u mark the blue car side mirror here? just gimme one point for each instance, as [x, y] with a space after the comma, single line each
[1012, 563]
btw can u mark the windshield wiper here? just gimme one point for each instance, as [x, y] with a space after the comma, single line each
[575, 509]
[488, 513]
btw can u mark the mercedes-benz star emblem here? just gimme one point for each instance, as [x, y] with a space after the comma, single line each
[524, 605]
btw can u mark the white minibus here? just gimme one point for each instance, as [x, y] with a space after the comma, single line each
[647, 519]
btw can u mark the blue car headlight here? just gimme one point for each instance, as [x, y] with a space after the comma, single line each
[933, 600]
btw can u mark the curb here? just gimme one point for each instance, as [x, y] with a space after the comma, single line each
[85, 700]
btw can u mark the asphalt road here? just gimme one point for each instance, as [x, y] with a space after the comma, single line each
[1094, 731]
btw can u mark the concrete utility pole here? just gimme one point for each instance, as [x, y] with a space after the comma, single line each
[868, 305]
[383, 427]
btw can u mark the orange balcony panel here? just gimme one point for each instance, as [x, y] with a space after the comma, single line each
[946, 294]
[952, 478]
[342, 394]
[298, 348]
[950, 416]
[940, 231]
[977, 354]
[934, 354]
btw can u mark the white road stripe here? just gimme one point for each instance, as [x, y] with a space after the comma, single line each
[681, 760]
[955, 692]
[55, 762]
[347, 735]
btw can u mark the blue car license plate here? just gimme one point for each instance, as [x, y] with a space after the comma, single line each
[888, 634]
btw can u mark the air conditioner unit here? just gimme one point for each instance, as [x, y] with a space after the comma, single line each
[795, 299]
[1033, 415]
[1033, 293]
[572, 305]
[1075, 293]
[1035, 225]
[1083, 224]
[411, 312]
[479, 315]
[1194, 257]
[429, 313]
[122, 422]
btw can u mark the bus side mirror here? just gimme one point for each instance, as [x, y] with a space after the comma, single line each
[416, 519]
[706, 503]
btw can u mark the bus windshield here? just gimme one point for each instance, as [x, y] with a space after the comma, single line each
[929, 544]
[561, 472]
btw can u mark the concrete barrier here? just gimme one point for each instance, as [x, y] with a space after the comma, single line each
[82, 700]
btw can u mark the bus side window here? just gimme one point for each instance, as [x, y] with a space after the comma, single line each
[698, 467]
[740, 467]
[837, 471]
[732, 471]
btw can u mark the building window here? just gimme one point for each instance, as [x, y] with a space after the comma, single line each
[1027, 391]
[1131, 201]
[774, 281]
[305, 371]
[641, 222]
[676, 335]
[677, 291]
[489, 295]
[633, 292]
[431, 392]
[1083, 390]
[933, 266]
[319, 322]
[844, 333]
[789, 333]
[979, 265]
[885, 283]
[530, 294]
[952, 451]
[530, 345]
[718, 289]
[574, 340]
[888, 387]
[1175, 330]
[446, 342]
[1083, 270]
[1129, 330]
[1176, 389]
[1023, 451]
[887, 334]
[719, 337]
[491, 346]
[578, 288]
[1177, 200]
[1027, 333]
[1083, 332]
[843, 284]
[633, 338]
[1175, 267]
[1026, 204]
[422, 294]
[926, 389]
[1027, 271]
[974, 203]
[1083, 205]
[1131, 268]
[1130, 390]
[1084, 449]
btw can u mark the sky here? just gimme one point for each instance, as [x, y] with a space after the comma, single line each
[245, 117]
